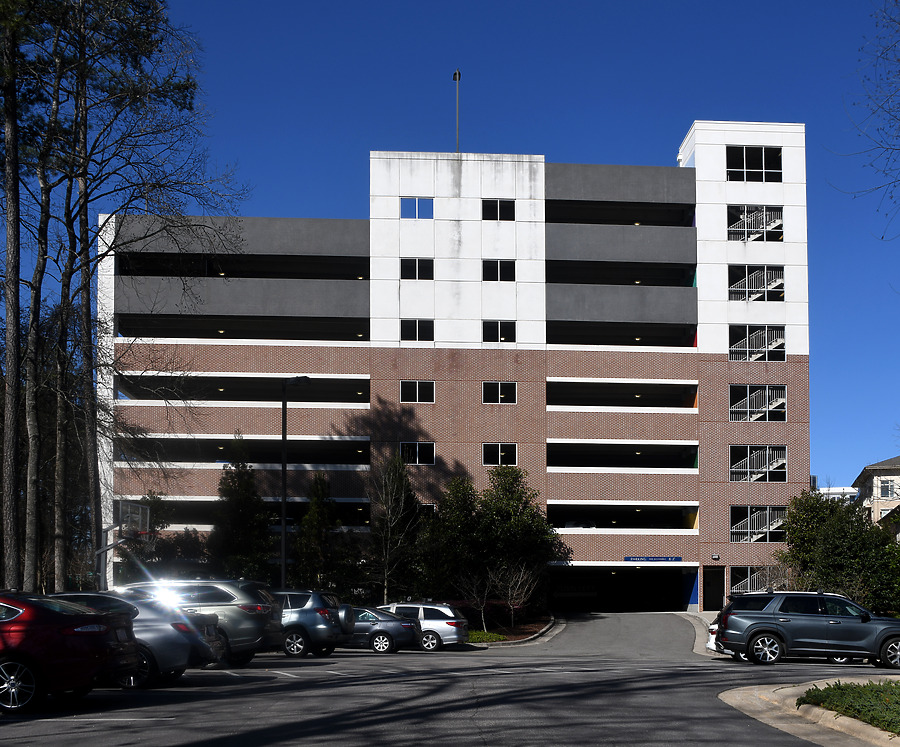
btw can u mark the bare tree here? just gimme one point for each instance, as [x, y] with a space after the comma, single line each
[515, 584]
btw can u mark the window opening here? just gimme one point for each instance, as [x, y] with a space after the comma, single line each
[498, 392]
[498, 270]
[757, 523]
[755, 223]
[756, 283]
[416, 269]
[494, 455]
[751, 403]
[757, 463]
[417, 391]
[498, 331]
[417, 452]
[498, 209]
[756, 343]
[421, 208]
[421, 330]
[753, 163]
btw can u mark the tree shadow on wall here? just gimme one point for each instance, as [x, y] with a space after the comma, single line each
[389, 424]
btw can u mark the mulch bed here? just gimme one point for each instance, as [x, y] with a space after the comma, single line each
[525, 630]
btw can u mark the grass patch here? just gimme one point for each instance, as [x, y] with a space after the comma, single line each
[480, 636]
[877, 704]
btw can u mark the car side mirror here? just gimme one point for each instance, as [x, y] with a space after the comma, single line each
[866, 617]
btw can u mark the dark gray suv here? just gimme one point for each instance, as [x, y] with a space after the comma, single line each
[769, 625]
[313, 621]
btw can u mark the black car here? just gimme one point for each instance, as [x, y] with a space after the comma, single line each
[767, 626]
[382, 631]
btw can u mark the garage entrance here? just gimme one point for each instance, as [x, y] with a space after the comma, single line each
[626, 588]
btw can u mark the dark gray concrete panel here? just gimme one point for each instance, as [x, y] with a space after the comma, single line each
[577, 181]
[254, 235]
[621, 243]
[621, 303]
[243, 297]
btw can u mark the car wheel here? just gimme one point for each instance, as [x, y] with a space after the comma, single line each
[347, 618]
[765, 649]
[890, 653]
[839, 660]
[295, 643]
[144, 675]
[20, 686]
[431, 641]
[739, 657]
[382, 643]
[323, 651]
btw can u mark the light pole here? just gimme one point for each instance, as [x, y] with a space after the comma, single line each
[284, 386]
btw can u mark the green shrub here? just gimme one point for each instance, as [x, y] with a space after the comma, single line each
[876, 704]
[480, 636]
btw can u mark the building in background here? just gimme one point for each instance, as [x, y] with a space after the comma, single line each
[879, 487]
[635, 337]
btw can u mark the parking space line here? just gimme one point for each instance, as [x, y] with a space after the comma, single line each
[339, 674]
[284, 674]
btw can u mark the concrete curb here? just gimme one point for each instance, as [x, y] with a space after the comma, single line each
[784, 699]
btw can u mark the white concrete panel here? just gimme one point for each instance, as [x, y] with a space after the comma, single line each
[458, 270]
[531, 333]
[530, 241]
[384, 330]
[795, 254]
[448, 241]
[796, 284]
[712, 282]
[711, 220]
[793, 165]
[795, 194]
[384, 238]
[714, 193]
[531, 271]
[448, 175]
[709, 312]
[796, 314]
[498, 239]
[384, 298]
[712, 252]
[757, 193]
[417, 299]
[498, 301]
[457, 300]
[709, 162]
[530, 180]
[498, 179]
[384, 176]
[384, 207]
[795, 223]
[465, 331]
[712, 338]
[384, 268]
[416, 238]
[756, 253]
[417, 177]
[755, 312]
[531, 300]
[796, 340]
[529, 211]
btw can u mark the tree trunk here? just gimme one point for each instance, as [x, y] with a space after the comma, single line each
[11, 575]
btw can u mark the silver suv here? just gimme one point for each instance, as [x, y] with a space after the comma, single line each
[313, 621]
[441, 624]
[769, 625]
[249, 616]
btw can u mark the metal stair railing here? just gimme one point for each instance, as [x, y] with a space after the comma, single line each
[758, 463]
[757, 525]
[758, 403]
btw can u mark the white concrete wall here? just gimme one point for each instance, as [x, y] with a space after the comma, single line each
[457, 239]
[704, 149]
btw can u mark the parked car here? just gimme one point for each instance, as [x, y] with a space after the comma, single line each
[53, 646]
[770, 625]
[249, 616]
[170, 639]
[441, 624]
[382, 631]
[712, 645]
[313, 621]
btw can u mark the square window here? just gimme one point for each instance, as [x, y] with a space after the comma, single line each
[756, 343]
[498, 392]
[752, 163]
[757, 464]
[757, 523]
[887, 488]
[758, 403]
[417, 452]
[494, 455]
[421, 208]
[498, 270]
[756, 283]
[498, 210]
[420, 330]
[498, 331]
[416, 268]
[417, 391]
[755, 223]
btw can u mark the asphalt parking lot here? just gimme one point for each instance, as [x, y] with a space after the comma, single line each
[599, 679]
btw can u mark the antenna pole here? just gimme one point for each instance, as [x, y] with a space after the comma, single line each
[457, 76]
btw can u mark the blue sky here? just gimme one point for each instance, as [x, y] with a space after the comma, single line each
[302, 91]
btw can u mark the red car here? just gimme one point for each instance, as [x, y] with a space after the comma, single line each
[52, 646]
